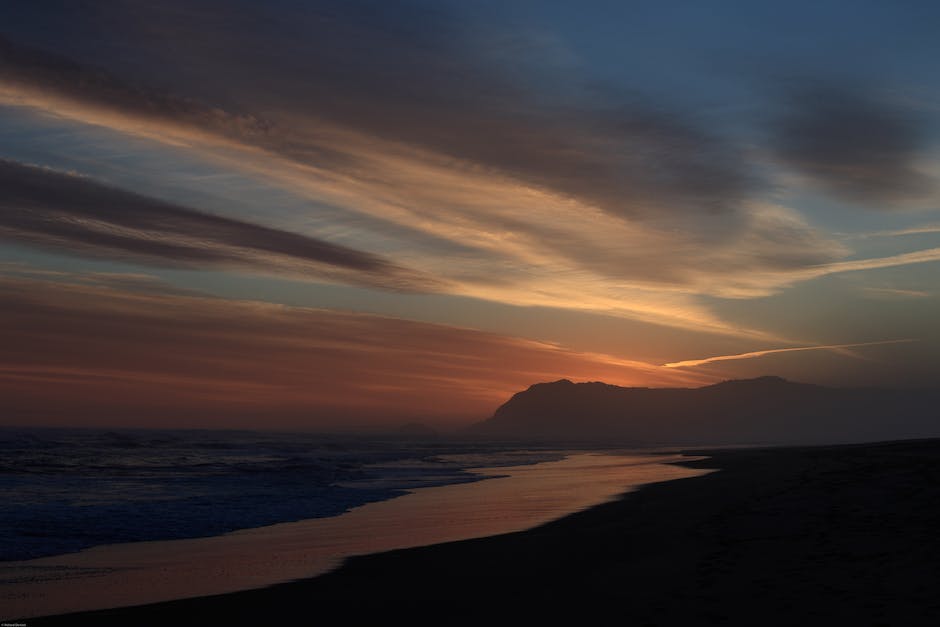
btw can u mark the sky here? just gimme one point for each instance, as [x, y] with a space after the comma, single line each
[301, 214]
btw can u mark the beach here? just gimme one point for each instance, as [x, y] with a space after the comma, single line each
[779, 536]
[450, 312]
[507, 499]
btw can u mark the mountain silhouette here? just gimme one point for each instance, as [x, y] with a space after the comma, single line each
[765, 410]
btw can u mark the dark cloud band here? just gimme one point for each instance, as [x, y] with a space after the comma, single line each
[853, 145]
[413, 75]
[74, 214]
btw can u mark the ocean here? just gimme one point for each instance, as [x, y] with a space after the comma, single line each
[96, 519]
[66, 490]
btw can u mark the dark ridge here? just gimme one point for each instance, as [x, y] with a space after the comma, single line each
[765, 410]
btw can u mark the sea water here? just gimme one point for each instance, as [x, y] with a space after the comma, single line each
[66, 490]
[157, 515]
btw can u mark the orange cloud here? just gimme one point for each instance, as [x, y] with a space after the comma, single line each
[531, 230]
[691, 363]
[520, 240]
[94, 354]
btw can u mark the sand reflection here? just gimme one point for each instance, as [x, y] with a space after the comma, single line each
[520, 497]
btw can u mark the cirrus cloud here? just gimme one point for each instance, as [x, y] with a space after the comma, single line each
[67, 212]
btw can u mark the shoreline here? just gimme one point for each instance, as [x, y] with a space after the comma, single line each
[799, 535]
[505, 499]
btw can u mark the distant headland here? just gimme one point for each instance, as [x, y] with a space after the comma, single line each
[765, 410]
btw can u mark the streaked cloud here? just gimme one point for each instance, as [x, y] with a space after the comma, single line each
[531, 247]
[855, 265]
[434, 90]
[765, 283]
[480, 169]
[67, 212]
[914, 230]
[857, 146]
[894, 293]
[691, 363]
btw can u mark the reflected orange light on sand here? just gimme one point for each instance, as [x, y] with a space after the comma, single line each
[518, 498]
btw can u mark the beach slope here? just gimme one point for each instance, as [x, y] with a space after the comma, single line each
[815, 535]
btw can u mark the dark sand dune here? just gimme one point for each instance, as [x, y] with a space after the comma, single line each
[842, 535]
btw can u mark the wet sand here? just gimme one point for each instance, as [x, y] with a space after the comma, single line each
[845, 535]
[515, 498]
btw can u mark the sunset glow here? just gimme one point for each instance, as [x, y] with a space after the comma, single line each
[346, 214]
